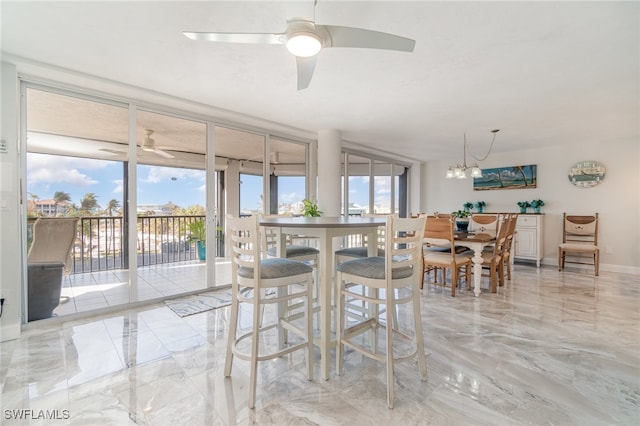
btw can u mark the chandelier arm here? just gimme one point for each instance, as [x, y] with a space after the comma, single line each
[488, 152]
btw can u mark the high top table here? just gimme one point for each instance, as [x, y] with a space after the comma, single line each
[325, 229]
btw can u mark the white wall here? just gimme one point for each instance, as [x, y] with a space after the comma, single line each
[616, 199]
[10, 252]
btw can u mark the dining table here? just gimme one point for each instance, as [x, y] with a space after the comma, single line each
[476, 242]
[325, 229]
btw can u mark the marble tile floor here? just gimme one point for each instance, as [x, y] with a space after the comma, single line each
[104, 289]
[550, 348]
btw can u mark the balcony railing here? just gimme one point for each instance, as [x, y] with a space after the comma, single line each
[100, 244]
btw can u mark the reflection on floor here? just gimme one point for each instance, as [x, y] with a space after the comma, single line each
[96, 290]
[549, 348]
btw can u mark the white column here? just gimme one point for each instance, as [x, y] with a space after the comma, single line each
[329, 173]
[415, 189]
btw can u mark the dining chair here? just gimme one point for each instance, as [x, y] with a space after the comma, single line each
[395, 278]
[306, 253]
[251, 274]
[579, 241]
[484, 222]
[508, 247]
[439, 233]
[361, 250]
[357, 252]
[493, 259]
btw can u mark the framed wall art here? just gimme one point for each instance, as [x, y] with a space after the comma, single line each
[513, 177]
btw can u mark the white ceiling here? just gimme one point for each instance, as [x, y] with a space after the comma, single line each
[545, 73]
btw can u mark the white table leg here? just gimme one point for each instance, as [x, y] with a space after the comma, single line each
[477, 269]
[325, 303]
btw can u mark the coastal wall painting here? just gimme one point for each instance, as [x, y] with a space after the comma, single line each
[514, 177]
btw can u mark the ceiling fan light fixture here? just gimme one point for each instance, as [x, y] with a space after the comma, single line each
[304, 44]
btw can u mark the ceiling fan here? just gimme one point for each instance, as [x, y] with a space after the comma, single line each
[148, 144]
[305, 39]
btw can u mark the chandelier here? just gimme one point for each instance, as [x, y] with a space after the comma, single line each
[460, 170]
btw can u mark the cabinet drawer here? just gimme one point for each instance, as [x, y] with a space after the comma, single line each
[527, 222]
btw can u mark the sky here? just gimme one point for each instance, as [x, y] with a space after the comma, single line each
[47, 174]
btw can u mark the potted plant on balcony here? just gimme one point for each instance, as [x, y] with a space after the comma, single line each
[536, 204]
[480, 206]
[523, 206]
[462, 219]
[198, 233]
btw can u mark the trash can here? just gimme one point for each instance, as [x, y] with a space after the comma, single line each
[44, 286]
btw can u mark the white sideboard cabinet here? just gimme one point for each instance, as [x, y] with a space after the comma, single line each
[529, 238]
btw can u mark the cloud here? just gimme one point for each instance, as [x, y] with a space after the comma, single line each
[290, 198]
[157, 174]
[119, 186]
[382, 184]
[48, 169]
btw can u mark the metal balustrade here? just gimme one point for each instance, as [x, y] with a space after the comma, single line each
[101, 242]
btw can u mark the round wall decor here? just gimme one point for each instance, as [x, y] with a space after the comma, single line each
[585, 174]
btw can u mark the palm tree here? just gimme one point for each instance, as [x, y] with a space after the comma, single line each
[109, 228]
[113, 205]
[58, 198]
[89, 202]
[520, 170]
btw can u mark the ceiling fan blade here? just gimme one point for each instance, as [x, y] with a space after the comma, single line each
[112, 151]
[163, 153]
[249, 38]
[358, 37]
[305, 70]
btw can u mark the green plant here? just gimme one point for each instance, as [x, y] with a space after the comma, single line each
[480, 204]
[537, 203]
[523, 204]
[198, 231]
[467, 206]
[461, 214]
[310, 209]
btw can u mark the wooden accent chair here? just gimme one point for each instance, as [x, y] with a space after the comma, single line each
[579, 241]
[439, 232]
[485, 223]
[494, 259]
[506, 254]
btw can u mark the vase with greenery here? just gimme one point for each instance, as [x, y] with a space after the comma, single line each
[198, 234]
[480, 206]
[462, 219]
[310, 209]
[467, 206]
[536, 204]
[523, 206]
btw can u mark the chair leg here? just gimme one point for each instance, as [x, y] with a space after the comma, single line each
[596, 261]
[309, 318]
[340, 324]
[389, 336]
[560, 260]
[492, 278]
[417, 320]
[253, 376]
[454, 280]
[231, 338]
